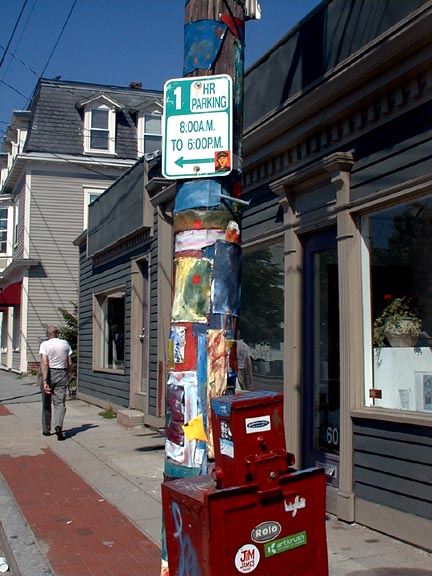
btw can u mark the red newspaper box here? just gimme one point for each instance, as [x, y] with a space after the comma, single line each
[247, 427]
[232, 531]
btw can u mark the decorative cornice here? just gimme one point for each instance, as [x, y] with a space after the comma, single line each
[334, 164]
[121, 247]
[368, 115]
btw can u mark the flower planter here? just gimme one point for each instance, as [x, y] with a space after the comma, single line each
[403, 332]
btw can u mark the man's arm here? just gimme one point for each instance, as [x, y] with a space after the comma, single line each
[44, 371]
[69, 365]
[250, 371]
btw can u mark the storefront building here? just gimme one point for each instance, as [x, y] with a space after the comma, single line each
[338, 171]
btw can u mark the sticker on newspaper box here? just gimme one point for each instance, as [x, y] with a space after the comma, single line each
[285, 544]
[258, 424]
[226, 444]
[247, 558]
[266, 531]
[226, 448]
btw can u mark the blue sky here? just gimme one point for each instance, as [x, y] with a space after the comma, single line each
[111, 42]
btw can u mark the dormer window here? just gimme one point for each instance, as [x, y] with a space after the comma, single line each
[149, 128]
[99, 128]
[100, 124]
[152, 136]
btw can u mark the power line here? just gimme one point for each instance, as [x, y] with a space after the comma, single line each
[58, 38]
[13, 32]
[20, 38]
[14, 89]
[76, 163]
[15, 57]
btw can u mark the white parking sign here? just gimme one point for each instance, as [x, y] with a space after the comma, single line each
[197, 127]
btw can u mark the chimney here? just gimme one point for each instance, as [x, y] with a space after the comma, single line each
[136, 85]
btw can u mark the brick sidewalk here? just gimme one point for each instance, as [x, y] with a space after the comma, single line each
[79, 532]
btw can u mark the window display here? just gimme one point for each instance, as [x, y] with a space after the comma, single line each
[399, 250]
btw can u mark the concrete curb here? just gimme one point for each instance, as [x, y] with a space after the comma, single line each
[21, 548]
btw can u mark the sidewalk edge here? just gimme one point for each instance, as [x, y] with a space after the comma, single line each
[22, 550]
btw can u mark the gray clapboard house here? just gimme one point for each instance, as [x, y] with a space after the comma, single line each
[72, 141]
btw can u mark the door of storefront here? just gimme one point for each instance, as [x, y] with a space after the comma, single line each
[321, 398]
[139, 335]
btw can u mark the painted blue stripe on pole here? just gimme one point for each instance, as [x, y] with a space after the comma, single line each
[202, 42]
[198, 194]
[226, 282]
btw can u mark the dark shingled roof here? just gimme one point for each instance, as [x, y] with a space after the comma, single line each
[57, 124]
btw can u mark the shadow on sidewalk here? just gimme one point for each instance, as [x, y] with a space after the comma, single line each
[150, 448]
[5, 400]
[70, 432]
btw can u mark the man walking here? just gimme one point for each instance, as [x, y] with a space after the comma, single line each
[55, 368]
[244, 361]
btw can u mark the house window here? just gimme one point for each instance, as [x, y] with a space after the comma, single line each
[262, 313]
[109, 330]
[15, 229]
[90, 194]
[99, 125]
[149, 125]
[398, 292]
[3, 230]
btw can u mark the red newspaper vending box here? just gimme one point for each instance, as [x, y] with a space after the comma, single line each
[247, 427]
[239, 530]
[260, 515]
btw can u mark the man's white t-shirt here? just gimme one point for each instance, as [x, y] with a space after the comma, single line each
[243, 352]
[57, 350]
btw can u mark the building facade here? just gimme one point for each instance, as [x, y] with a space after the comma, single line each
[338, 170]
[62, 152]
[125, 293]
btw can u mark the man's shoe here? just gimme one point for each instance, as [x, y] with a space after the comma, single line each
[59, 432]
[46, 433]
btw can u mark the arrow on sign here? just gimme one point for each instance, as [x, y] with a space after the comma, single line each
[181, 161]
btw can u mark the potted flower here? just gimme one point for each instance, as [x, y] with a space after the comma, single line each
[398, 323]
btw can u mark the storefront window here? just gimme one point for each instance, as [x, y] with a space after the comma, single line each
[109, 330]
[399, 251]
[262, 313]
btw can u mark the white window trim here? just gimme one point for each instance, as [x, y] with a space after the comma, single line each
[88, 128]
[8, 229]
[141, 134]
[15, 224]
[89, 191]
[99, 329]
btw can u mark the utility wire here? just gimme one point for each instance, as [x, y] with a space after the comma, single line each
[13, 33]
[15, 57]
[14, 89]
[58, 39]
[24, 28]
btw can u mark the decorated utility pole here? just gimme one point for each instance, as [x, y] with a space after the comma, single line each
[202, 150]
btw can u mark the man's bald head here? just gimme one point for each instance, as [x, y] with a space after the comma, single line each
[52, 332]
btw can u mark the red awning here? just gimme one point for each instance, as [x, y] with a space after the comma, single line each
[11, 295]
